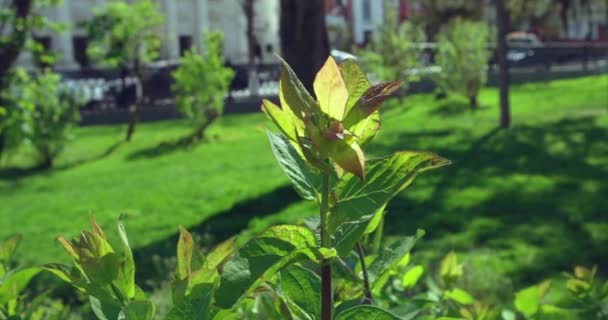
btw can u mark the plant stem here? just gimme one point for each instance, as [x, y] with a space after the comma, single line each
[367, 291]
[326, 294]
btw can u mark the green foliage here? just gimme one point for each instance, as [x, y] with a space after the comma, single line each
[40, 112]
[201, 83]
[395, 52]
[107, 277]
[16, 109]
[463, 55]
[56, 112]
[125, 34]
[322, 141]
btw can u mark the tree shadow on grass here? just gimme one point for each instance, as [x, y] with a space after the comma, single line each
[16, 173]
[452, 107]
[185, 143]
[541, 187]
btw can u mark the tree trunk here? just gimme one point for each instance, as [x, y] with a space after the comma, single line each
[134, 109]
[473, 102]
[303, 33]
[503, 74]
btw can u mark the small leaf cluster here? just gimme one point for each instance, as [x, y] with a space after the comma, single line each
[201, 83]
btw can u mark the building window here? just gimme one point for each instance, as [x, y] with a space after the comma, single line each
[367, 11]
[45, 43]
[80, 44]
[185, 43]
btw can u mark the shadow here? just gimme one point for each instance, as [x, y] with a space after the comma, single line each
[15, 173]
[534, 193]
[185, 143]
[220, 226]
[452, 107]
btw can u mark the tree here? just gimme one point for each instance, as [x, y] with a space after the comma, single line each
[126, 35]
[201, 84]
[17, 19]
[303, 35]
[393, 53]
[439, 13]
[503, 75]
[463, 56]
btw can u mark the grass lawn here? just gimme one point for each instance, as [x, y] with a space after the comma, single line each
[527, 201]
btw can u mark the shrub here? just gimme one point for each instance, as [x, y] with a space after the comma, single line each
[16, 108]
[201, 83]
[463, 55]
[56, 112]
[42, 111]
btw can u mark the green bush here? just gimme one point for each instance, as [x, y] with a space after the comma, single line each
[41, 113]
[16, 108]
[202, 83]
[463, 56]
[56, 112]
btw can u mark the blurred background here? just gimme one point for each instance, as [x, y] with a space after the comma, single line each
[131, 109]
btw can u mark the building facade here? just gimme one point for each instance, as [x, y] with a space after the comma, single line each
[185, 21]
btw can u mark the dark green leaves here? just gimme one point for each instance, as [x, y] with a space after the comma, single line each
[260, 258]
[195, 306]
[366, 313]
[13, 283]
[358, 202]
[304, 179]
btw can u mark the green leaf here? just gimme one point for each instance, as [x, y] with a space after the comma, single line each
[260, 258]
[389, 257]
[369, 102]
[125, 279]
[330, 89]
[303, 287]
[459, 296]
[138, 310]
[184, 254]
[13, 283]
[281, 119]
[8, 247]
[102, 271]
[359, 201]
[306, 182]
[366, 312]
[292, 93]
[528, 300]
[105, 309]
[208, 272]
[195, 306]
[349, 157]
[411, 276]
[449, 269]
[355, 80]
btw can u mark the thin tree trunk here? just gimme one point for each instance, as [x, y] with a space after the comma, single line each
[473, 102]
[503, 75]
[134, 109]
[303, 33]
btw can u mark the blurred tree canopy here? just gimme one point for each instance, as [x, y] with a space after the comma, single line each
[126, 35]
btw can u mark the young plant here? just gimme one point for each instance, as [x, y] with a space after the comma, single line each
[201, 83]
[13, 282]
[320, 148]
[127, 36]
[463, 56]
[106, 276]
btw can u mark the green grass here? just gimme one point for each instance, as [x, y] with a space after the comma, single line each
[528, 201]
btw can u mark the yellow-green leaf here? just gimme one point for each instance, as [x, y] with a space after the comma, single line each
[330, 89]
